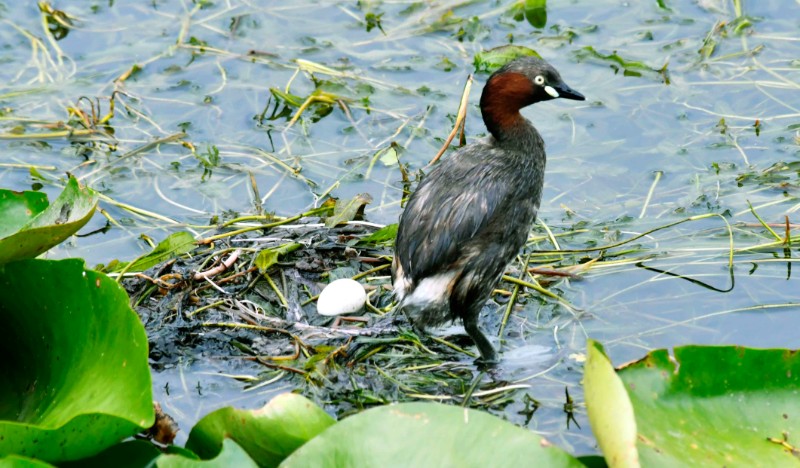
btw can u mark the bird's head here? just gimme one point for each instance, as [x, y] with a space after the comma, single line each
[518, 84]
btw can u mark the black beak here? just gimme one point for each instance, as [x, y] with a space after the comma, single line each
[566, 92]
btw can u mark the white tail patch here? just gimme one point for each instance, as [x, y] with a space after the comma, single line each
[433, 289]
[400, 283]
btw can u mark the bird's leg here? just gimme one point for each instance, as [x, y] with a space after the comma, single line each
[488, 354]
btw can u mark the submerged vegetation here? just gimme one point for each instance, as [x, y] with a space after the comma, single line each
[226, 162]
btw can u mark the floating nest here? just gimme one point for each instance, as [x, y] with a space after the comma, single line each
[247, 294]
[252, 296]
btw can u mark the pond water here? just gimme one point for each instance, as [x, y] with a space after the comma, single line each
[692, 109]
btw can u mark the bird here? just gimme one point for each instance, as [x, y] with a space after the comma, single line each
[471, 214]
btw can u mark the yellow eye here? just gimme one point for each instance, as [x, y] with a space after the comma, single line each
[539, 80]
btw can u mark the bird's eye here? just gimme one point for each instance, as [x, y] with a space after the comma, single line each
[539, 80]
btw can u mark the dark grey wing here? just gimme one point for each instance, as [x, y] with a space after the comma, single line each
[452, 205]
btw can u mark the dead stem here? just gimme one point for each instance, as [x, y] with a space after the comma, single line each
[227, 263]
[460, 120]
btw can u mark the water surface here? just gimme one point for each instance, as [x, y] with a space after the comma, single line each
[709, 125]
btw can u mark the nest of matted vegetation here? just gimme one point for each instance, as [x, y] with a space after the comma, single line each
[252, 296]
[263, 285]
[249, 292]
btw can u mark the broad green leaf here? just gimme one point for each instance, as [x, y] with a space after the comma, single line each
[175, 244]
[268, 257]
[17, 208]
[15, 461]
[384, 234]
[143, 453]
[737, 405]
[427, 434]
[713, 406]
[609, 408]
[268, 435]
[346, 210]
[489, 61]
[593, 461]
[536, 13]
[231, 455]
[75, 373]
[132, 453]
[46, 227]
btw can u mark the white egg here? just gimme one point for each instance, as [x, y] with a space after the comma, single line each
[343, 296]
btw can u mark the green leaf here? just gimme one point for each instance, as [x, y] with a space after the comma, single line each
[290, 99]
[617, 62]
[384, 234]
[44, 227]
[427, 434]
[711, 41]
[347, 210]
[268, 257]
[373, 21]
[712, 406]
[75, 373]
[489, 61]
[231, 455]
[536, 13]
[17, 208]
[610, 411]
[174, 245]
[143, 453]
[268, 435]
[389, 156]
[15, 461]
[132, 453]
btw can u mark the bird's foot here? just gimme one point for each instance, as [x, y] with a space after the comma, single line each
[483, 365]
[487, 361]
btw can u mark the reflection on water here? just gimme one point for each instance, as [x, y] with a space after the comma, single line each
[190, 390]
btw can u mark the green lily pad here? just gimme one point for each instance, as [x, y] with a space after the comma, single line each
[489, 61]
[17, 208]
[427, 434]
[710, 406]
[268, 435]
[230, 455]
[609, 408]
[143, 453]
[132, 453]
[15, 461]
[76, 377]
[28, 229]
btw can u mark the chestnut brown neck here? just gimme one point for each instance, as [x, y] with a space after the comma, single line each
[503, 96]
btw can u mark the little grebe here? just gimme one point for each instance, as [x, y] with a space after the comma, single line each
[472, 213]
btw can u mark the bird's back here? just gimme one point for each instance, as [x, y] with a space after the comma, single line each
[462, 226]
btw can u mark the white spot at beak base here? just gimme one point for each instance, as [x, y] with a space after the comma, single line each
[551, 91]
